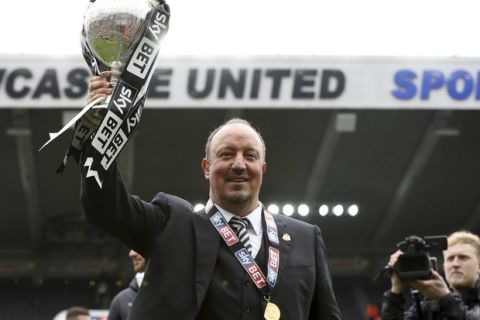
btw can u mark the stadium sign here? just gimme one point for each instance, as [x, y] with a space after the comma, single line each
[258, 82]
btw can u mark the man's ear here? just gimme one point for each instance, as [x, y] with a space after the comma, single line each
[264, 167]
[206, 168]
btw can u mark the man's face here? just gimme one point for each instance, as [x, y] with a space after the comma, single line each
[235, 167]
[461, 265]
[137, 260]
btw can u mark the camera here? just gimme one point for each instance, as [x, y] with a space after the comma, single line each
[416, 262]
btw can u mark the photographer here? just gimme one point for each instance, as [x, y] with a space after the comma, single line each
[462, 268]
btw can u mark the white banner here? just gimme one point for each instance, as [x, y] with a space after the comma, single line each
[258, 82]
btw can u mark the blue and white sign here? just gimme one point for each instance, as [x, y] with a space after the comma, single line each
[258, 82]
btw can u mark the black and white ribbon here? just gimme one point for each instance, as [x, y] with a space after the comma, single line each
[126, 104]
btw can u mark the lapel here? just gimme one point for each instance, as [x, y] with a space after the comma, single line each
[285, 238]
[207, 244]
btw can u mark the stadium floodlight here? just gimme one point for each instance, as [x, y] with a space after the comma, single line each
[338, 210]
[353, 210]
[273, 208]
[323, 210]
[198, 207]
[288, 209]
[303, 210]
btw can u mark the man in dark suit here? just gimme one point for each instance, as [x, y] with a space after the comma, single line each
[198, 266]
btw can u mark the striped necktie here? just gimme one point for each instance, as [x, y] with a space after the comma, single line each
[240, 226]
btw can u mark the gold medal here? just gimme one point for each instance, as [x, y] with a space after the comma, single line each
[272, 312]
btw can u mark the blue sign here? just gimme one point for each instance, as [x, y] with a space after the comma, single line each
[459, 84]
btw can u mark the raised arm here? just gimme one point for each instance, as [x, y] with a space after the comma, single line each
[111, 207]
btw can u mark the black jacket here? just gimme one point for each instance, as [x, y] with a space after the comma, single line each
[450, 307]
[123, 301]
[182, 248]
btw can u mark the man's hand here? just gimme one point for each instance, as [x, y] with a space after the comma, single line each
[398, 286]
[434, 288]
[100, 86]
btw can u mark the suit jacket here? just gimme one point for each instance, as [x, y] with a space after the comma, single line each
[123, 301]
[181, 249]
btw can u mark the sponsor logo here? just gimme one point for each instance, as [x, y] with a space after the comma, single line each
[158, 27]
[123, 98]
[273, 265]
[143, 58]
[148, 47]
[106, 132]
[271, 228]
[134, 120]
[228, 235]
[217, 219]
[272, 235]
[113, 149]
[273, 258]
[92, 173]
[81, 133]
[272, 276]
[251, 267]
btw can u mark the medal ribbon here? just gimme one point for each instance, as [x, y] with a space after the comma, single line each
[244, 257]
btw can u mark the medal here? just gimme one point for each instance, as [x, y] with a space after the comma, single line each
[272, 312]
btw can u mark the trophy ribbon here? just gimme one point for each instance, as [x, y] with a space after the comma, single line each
[125, 106]
[55, 135]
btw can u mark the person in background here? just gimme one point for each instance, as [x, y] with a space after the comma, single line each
[77, 313]
[462, 268]
[123, 301]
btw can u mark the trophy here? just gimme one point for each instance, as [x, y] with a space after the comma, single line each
[122, 36]
[109, 30]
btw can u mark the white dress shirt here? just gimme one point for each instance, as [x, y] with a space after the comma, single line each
[254, 229]
[139, 277]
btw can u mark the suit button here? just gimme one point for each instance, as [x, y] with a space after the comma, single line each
[247, 310]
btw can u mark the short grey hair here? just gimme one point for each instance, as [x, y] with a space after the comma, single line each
[233, 121]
